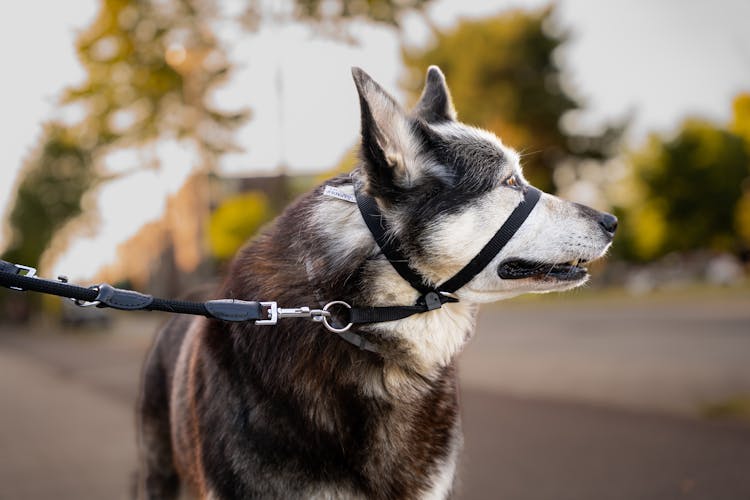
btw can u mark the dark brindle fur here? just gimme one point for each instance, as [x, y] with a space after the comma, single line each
[235, 410]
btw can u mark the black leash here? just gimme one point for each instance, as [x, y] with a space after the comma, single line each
[105, 295]
[22, 278]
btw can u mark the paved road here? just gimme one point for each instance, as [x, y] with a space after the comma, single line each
[560, 401]
[521, 449]
[59, 439]
[67, 412]
[672, 353]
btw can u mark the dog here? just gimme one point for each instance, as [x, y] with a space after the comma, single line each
[295, 411]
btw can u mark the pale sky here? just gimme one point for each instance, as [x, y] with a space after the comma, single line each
[658, 59]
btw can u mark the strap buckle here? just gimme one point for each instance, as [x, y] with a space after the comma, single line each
[30, 273]
[431, 301]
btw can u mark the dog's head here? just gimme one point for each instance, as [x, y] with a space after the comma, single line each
[446, 188]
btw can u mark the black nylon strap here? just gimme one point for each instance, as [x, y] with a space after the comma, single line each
[431, 299]
[359, 315]
[237, 310]
[49, 287]
[380, 314]
[116, 298]
[502, 237]
[378, 226]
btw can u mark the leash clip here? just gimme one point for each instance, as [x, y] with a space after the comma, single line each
[303, 312]
[275, 313]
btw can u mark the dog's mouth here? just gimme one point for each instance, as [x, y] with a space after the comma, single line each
[566, 271]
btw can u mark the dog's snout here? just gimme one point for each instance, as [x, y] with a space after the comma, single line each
[608, 222]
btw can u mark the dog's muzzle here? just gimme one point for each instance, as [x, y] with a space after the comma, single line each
[390, 247]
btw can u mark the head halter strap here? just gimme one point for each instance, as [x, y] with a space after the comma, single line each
[431, 297]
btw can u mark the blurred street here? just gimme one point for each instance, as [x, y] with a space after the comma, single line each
[571, 397]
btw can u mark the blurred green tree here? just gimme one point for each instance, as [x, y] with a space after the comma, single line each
[338, 12]
[741, 126]
[53, 183]
[504, 77]
[691, 189]
[235, 220]
[150, 67]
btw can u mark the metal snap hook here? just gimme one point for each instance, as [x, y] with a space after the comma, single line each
[329, 326]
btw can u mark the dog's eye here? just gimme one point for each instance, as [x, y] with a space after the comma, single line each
[512, 182]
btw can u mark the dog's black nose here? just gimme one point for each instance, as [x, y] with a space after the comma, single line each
[608, 223]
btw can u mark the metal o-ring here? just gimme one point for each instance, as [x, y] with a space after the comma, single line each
[325, 318]
[83, 303]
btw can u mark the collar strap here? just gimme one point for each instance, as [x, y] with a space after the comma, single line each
[432, 297]
[390, 247]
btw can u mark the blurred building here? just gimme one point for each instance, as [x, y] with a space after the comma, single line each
[170, 255]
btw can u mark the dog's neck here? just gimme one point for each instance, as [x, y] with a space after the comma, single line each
[432, 339]
[335, 258]
[426, 342]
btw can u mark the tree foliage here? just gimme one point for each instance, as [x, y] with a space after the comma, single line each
[693, 192]
[504, 77]
[741, 126]
[381, 11]
[49, 195]
[234, 221]
[150, 67]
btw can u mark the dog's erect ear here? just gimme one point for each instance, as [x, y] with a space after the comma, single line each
[435, 105]
[388, 145]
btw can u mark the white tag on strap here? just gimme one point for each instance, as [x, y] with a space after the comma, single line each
[335, 192]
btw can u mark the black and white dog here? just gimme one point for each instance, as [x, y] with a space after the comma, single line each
[294, 411]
